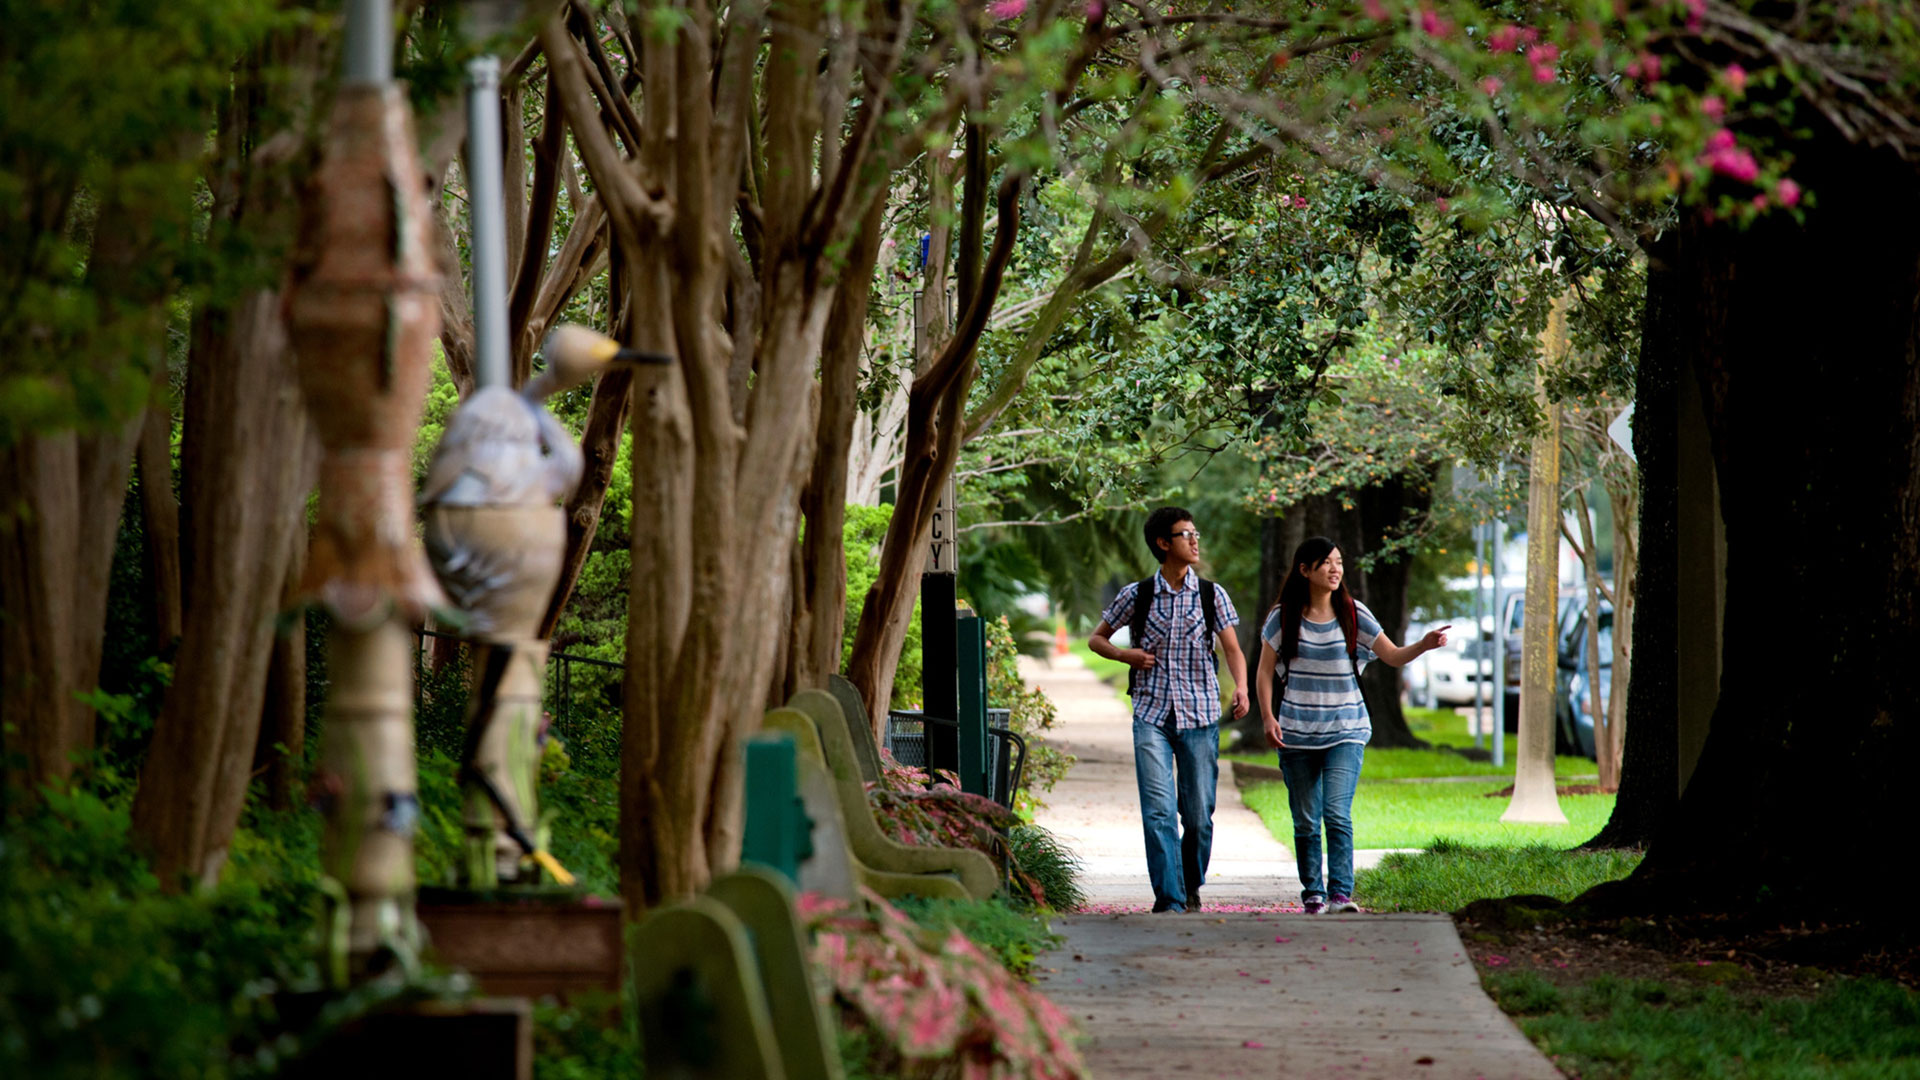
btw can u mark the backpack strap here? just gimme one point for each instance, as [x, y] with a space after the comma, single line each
[1143, 597]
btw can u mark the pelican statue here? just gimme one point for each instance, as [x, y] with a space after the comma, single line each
[502, 448]
[496, 538]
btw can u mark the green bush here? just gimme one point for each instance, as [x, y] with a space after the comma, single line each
[1043, 859]
[103, 975]
[866, 527]
[1016, 936]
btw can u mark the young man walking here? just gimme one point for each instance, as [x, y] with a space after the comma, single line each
[1174, 618]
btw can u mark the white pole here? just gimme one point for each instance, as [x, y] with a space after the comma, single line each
[1479, 608]
[1498, 731]
[369, 44]
[487, 211]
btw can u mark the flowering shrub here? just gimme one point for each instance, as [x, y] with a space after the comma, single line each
[941, 1006]
[944, 816]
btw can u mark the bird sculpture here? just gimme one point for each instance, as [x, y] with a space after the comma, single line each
[502, 448]
[496, 538]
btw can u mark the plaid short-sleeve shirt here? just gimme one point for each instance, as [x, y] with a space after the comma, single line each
[1182, 681]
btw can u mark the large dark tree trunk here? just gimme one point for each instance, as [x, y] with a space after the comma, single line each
[1806, 339]
[1650, 768]
[1381, 512]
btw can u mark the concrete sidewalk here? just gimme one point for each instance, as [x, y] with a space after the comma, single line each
[1247, 987]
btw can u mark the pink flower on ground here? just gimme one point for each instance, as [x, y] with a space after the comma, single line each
[1432, 24]
[1506, 39]
[1713, 108]
[1494, 960]
[1251, 1045]
[1007, 9]
[1490, 85]
[1375, 10]
[1787, 192]
[1736, 77]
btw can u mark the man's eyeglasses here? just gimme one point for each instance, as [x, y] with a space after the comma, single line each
[1188, 534]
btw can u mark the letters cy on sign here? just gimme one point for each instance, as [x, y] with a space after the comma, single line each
[942, 553]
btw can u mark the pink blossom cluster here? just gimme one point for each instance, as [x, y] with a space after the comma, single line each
[1723, 156]
[1543, 58]
[1434, 24]
[1510, 38]
[1696, 14]
[1645, 67]
[1375, 10]
[937, 997]
[1007, 9]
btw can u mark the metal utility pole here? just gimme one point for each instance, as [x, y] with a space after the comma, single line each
[1497, 530]
[487, 213]
[1479, 608]
[1534, 799]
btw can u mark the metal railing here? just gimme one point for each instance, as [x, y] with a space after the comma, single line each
[906, 740]
[559, 700]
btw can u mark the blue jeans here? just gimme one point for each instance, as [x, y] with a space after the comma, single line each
[1177, 851]
[1320, 787]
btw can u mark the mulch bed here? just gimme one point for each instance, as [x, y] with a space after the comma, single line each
[1740, 952]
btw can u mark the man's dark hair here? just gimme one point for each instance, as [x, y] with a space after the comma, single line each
[1160, 525]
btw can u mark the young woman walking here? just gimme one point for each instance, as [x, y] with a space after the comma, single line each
[1318, 637]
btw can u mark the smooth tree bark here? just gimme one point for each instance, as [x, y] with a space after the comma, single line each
[721, 438]
[1815, 432]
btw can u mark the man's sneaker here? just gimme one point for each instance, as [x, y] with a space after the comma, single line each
[1193, 900]
[1340, 905]
[1313, 905]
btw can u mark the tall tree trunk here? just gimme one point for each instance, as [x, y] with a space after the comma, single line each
[40, 510]
[283, 721]
[1383, 512]
[1650, 758]
[1815, 426]
[241, 399]
[247, 462]
[821, 589]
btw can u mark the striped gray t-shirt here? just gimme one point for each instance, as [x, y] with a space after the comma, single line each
[1322, 705]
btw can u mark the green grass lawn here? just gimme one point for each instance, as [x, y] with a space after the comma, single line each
[1390, 812]
[1401, 815]
[1448, 876]
[1443, 727]
[1612, 1027]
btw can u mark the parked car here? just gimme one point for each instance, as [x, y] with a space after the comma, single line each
[1455, 671]
[1573, 715]
[1516, 620]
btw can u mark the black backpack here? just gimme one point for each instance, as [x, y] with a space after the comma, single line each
[1137, 626]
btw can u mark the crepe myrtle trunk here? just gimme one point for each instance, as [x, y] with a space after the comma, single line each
[1806, 344]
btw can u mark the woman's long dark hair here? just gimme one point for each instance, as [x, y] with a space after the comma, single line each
[1295, 593]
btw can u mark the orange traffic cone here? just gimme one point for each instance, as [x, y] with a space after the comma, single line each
[1060, 640]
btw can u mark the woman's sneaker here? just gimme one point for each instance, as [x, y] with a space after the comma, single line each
[1340, 905]
[1313, 905]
